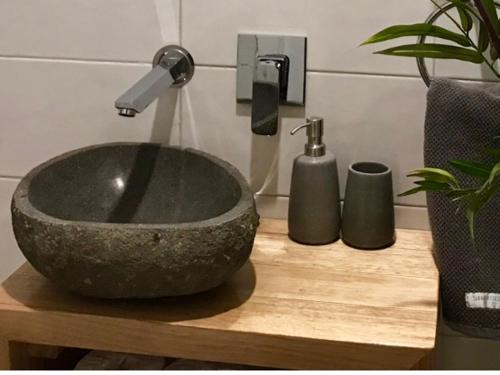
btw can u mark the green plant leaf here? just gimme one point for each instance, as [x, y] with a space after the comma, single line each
[419, 29]
[435, 174]
[436, 51]
[477, 200]
[493, 55]
[471, 218]
[491, 9]
[412, 191]
[460, 194]
[434, 179]
[494, 174]
[472, 168]
[465, 17]
[465, 5]
[429, 185]
[495, 152]
[464, 10]
[484, 38]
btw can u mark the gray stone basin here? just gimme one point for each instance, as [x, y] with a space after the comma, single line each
[130, 220]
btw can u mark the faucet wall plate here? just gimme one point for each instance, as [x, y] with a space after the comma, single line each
[251, 47]
[169, 56]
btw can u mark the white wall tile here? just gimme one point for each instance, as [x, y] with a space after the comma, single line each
[50, 107]
[125, 30]
[366, 118]
[334, 28]
[10, 255]
[464, 70]
[407, 217]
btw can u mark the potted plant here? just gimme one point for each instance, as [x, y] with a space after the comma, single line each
[462, 157]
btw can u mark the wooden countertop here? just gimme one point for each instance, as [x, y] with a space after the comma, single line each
[290, 306]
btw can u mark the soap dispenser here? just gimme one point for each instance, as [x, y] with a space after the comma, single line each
[314, 206]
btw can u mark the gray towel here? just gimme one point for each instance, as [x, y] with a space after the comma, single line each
[461, 121]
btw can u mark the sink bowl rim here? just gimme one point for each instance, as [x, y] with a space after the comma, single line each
[21, 201]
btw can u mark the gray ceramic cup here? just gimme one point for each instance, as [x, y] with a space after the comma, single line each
[368, 214]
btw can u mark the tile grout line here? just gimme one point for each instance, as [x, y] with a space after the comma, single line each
[323, 71]
[180, 21]
[274, 196]
[55, 59]
[348, 73]
[181, 92]
[73, 60]
[10, 177]
[142, 63]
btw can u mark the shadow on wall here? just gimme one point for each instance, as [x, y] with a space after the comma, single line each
[164, 121]
[265, 151]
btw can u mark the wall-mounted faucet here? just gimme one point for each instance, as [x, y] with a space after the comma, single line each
[270, 82]
[173, 66]
[271, 71]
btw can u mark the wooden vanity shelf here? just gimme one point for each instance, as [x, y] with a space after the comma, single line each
[291, 306]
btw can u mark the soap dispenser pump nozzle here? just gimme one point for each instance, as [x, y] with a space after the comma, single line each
[314, 145]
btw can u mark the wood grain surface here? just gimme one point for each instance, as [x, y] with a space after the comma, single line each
[4, 354]
[291, 306]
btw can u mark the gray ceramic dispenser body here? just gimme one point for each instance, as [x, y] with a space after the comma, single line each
[314, 207]
[368, 215]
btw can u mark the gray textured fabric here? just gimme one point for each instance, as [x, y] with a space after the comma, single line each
[461, 120]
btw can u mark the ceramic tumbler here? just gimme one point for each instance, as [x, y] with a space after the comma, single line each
[368, 214]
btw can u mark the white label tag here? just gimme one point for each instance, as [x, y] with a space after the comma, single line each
[483, 301]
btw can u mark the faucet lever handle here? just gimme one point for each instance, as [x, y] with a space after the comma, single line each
[270, 84]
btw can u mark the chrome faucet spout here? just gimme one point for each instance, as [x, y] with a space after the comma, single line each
[173, 66]
[127, 112]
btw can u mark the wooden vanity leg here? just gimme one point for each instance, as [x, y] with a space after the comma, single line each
[5, 355]
[13, 356]
[426, 363]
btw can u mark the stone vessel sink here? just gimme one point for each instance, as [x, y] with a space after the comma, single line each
[130, 220]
